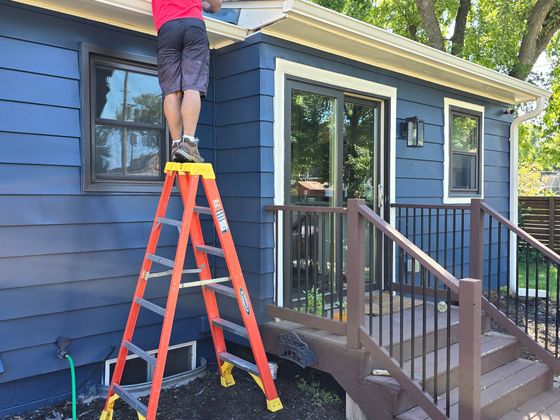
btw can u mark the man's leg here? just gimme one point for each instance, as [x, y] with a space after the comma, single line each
[172, 110]
[190, 111]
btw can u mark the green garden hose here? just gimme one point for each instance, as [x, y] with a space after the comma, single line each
[73, 375]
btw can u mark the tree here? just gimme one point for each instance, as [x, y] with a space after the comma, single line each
[515, 33]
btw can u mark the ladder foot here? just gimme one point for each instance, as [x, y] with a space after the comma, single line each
[106, 415]
[227, 378]
[274, 405]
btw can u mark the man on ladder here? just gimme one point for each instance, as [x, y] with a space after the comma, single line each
[183, 71]
[183, 60]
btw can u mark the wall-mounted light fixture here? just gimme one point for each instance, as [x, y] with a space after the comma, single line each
[413, 132]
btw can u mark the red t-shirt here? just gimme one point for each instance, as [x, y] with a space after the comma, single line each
[166, 10]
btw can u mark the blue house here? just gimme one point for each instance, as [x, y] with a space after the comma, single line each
[306, 107]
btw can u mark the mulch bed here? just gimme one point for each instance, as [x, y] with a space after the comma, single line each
[305, 394]
[545, 338]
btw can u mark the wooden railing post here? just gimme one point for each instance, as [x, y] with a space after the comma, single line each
[470, 297]
[356, 279]
[476, 240]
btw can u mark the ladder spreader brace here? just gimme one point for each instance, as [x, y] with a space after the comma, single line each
[187, 177]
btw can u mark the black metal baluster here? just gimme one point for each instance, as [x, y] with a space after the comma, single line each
[371, 275]
[390, 283]
[308, 293]
[499, 261]
[401, 312]
[445, 241]
[516, 256]
[276, 256]
[298, 261]
[463, 243]
[556, 318]
[436, 318]
[333, 270]
[526, 287]
[423, 276]
[315, 260]
[490, 258]
[429, 242]
[536, 294]
[340, 270]
[454, 261]
[323, 262]
[448, 370]
[508, 270]
[547, 302]
[412, 298]
[290, 273]
[380, 241]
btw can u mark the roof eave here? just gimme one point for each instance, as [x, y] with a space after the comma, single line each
[418, 60]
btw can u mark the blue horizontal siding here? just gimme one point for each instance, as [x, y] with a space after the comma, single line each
[30, 118]
[47, 90]
[23, 55]
[39, 149]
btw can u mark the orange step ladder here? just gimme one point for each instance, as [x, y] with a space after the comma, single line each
[187, 177]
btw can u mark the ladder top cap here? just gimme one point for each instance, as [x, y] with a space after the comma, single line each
[204, 170]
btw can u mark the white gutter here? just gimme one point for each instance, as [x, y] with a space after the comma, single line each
[514, 181]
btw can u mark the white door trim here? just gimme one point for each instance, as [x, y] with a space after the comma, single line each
[286, 68]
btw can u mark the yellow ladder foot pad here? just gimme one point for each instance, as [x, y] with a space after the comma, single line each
[274, 405]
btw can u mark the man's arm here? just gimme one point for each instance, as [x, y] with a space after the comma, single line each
[212, 6]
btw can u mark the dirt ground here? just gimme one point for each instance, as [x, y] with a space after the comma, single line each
[305, 393]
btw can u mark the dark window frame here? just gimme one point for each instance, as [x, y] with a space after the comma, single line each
[91, 55]
[341, 96]
[465, 192]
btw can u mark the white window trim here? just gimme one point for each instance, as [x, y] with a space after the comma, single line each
[447, 103]
[289, 68]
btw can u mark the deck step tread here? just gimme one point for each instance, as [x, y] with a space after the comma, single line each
[543, 406]
[495, 385]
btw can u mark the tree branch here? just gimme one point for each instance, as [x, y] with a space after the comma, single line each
[458, 38]
[430, 23]
[529, 51]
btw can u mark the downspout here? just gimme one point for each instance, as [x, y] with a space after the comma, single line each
[514, 178]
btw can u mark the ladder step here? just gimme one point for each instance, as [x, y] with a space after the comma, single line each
[239, 363]
[169, 272]
[204, 282]
[150, 306]
[218, 252]
[172, 222]
[160, 260]
[140, 352]
[223, 290]
[231, 327]
[130, 399]
[202, 210]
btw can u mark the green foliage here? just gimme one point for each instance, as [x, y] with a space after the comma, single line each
[314, 302]
[316, 393]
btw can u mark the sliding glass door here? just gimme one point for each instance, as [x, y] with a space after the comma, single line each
[332, 154]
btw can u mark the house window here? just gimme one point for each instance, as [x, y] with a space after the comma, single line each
[125, 135]
[463, 151]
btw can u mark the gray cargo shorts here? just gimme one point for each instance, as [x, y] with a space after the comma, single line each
[183, 56]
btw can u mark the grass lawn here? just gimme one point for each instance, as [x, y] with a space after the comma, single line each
[542, 268]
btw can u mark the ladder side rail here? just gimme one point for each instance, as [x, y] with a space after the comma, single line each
[210, 301]
[238, 281]
[141, 284]
[188, 193]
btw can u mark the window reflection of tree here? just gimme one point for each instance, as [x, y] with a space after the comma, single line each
[139, 148]
[359, 141]
[312, 133]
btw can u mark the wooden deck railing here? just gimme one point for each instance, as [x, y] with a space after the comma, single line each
[351, 273]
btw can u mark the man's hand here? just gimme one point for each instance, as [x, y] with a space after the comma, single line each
[211, 6]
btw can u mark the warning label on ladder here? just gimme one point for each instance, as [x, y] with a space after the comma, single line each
[220, 216]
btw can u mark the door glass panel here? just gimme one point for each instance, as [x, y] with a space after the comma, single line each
[313, 133]
[358, 167]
